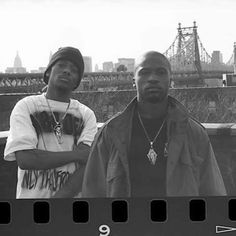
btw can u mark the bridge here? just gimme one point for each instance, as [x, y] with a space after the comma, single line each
[190, 60]
[103, 81]
[192, 66]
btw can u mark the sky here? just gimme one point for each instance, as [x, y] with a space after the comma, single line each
[109, 29]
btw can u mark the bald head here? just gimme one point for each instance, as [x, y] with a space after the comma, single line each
[152, 77]
[152, 55]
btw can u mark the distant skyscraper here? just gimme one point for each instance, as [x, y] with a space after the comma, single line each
[17, 66]
[107, 66]
[17, 61]
[217, 57]
[87, 64]
[96, 68]
[127, 62]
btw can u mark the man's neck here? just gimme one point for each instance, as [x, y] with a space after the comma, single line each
[153, 110]
[58, 95]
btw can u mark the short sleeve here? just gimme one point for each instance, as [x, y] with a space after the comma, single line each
[22, 135]
[90, 128]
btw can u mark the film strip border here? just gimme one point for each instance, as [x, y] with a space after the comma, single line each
[120, 217]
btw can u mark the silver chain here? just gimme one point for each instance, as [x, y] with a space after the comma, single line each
[58, 122]
[145, 131]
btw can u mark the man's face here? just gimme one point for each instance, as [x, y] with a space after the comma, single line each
[64, 75]
[152, 79]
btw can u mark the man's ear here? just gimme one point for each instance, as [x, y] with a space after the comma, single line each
[48, 73]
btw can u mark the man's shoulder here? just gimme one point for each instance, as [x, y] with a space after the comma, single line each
[81, 107]
[110, 124]
[118, 122]
[123, 116]
[115, 120]
[198, 130]
[195, 123]
[28, 100]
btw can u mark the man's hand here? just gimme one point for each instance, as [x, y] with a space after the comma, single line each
[73, 185]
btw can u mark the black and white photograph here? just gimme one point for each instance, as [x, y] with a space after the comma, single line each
[130, 100]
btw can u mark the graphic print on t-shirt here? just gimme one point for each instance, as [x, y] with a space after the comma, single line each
[52, 179]
[43, 122]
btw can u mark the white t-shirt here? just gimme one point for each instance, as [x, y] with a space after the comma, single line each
[31, 127]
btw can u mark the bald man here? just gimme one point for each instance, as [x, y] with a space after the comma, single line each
[153, 148]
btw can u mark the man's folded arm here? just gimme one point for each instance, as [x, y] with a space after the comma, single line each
[35, 159]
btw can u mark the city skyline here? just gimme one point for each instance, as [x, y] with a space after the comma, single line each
[107, 66]
[108, 30]
[18, 66]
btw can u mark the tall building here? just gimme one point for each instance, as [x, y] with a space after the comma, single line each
[96, 69]
[216, 57]
[87, 64]
[127, 62]
[17, 66]
[17, 61]
[107, 66]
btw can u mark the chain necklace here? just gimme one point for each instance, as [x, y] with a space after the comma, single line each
[58, 127]
[152, 155]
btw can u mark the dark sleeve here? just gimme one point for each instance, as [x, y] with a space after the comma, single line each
[211, 181]
[94, 182]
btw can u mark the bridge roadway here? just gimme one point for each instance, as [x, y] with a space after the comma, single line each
[222, 136]
[28, 82]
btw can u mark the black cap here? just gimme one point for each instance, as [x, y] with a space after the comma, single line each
[70, 54]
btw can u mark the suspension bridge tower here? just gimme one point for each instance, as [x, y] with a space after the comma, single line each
[187, 54]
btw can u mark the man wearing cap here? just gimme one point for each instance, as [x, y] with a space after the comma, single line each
[50, 134]
[153, 148]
